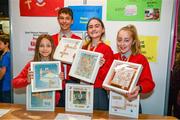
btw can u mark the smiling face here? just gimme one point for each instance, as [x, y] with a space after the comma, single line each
[65, 21]
[45, 48]
[124, 41]
[95, 29]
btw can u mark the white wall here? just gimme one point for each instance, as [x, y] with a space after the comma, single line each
[153, 104]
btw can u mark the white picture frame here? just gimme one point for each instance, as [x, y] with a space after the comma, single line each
[79, 98]
[66, 49]
[122, 76]
[86, 65]
[46, 76]
[119, 105]
[40, 101]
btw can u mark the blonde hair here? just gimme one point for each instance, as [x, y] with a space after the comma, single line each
[135, 48]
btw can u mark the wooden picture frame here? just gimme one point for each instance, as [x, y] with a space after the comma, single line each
[46, 76]
[66, 49]
[40, 101]
[86, 65]
[79, 98]
[121, 106]
[122, 76]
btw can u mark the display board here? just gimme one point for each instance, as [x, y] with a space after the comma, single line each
[155, 35]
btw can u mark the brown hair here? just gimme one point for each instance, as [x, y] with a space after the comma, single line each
[88, 37]
[37, 56]
[66, 10]
[136, 48]
[5, 39]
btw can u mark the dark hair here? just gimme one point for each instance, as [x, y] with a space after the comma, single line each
[37, 56]
[5, 39]
[66, 10]
[94, 18]
[88, 37]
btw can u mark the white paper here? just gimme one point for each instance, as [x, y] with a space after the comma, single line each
[3, 111]
[61, 116]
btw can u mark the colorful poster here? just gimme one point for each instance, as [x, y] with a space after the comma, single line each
[133, 10]
[82, 14]
[149, 46]
[40, 7]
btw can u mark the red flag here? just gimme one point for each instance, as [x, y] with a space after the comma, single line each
[40, 7]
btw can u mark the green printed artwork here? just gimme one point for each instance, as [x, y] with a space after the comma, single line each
[133, 10]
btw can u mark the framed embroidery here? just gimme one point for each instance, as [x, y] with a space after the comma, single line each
[122, 76]
[67, 49]
[121, 106]
[40, 101]
[86, 65]
[46, 76]
[79, 98]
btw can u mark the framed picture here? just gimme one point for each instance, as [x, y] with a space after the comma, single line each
[46, 76]
[122, 76]
[40, 101]
[66, 49]
[85, 65]
[79, 98]
[121, 106]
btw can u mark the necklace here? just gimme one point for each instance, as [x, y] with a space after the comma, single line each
[93, 48]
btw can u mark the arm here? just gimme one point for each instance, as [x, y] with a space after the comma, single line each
[22, 79]
[146, 81]
[5, 64]
[2, 72]
[108, 56]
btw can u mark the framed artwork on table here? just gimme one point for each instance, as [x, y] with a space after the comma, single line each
[40, 101]
[79, 98]
[46, 76]
[122, 76]
[86, 65]
[121, 106]
[66, 49]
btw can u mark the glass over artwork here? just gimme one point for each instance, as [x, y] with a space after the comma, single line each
[86, 65]
[43, 101]
[122, 76]
[46, 76]
[79, 98]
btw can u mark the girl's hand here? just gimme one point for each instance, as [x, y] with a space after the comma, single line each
[102, 61]
[30, 76]
[132, 95]
[61, 75]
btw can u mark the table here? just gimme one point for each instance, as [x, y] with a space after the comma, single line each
[19, 112]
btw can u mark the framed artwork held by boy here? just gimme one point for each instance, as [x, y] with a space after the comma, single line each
[122, 76]
[79, 98]
[86, 65]
[66, 49]
[46, 76]
[121, 106]
[40, 101]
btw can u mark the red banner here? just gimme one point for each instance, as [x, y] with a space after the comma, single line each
[40, 7]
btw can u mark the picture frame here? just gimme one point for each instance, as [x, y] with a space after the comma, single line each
[79, 98]
[40, 101]
[119, 105]
[46, 76]
[66, 49]
[86, 65]
[122, 76]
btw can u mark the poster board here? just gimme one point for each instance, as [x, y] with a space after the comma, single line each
[31, 27]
